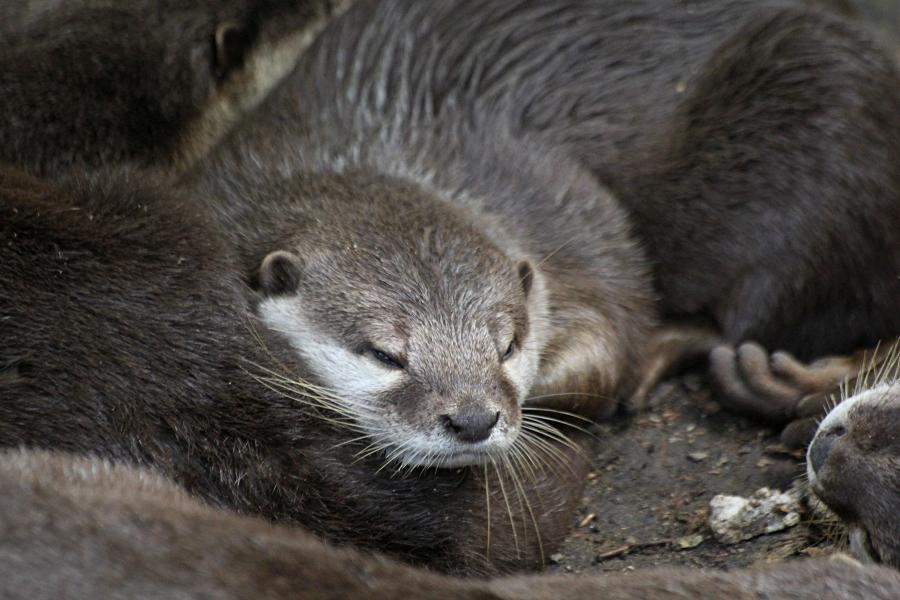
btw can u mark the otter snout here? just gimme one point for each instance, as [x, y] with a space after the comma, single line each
[471, 425]
[821, 446]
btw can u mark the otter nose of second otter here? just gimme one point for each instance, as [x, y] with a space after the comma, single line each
[822, 444]
[471, 425]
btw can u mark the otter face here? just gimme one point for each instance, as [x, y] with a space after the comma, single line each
[853, 465]
[429, 342]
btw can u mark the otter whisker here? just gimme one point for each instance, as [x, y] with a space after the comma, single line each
[487, 509]
[546, 420]
[513, 476]
[532, 455]
[346, 411]
[531, 449]
[543, 449]
[373, 448]
[350, 441]
[512, 522]
[294, 388]
[551, 452]
[392, 457]
[299, 382]
[563, 395]
[564, 413]
[349, 422]
[552, 433]
[516, 455]
[346, 408]
[537, 529]
[541, 262]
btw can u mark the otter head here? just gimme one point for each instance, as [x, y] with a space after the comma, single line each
[421, 329]
[853, 466]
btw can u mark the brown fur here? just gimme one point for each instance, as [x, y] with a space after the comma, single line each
[80, 528]
[750, 147]
[86, 83]
[124, 334]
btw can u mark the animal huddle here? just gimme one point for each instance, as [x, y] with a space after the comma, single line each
[361, 272]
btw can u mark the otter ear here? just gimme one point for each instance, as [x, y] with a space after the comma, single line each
[279, 273]
[231, 44]
[526, 276]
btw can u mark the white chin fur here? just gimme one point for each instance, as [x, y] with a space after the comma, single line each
[468, 458]
[419, 451]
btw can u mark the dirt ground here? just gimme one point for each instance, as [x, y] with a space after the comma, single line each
[647, 497]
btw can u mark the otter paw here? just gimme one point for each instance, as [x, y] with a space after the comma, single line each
[777, 388]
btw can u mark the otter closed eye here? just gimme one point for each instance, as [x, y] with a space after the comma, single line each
[388, 360]
[433, 319]
[510, 350]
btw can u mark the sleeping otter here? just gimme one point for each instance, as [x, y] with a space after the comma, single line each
[432, 324]
[87, 83]
[125, 335]
[212, 428]
[749, 156]
[81, 528]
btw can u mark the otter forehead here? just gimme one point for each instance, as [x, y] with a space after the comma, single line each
[408, 277]
[883, 400]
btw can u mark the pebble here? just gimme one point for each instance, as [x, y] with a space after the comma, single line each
[734, 519]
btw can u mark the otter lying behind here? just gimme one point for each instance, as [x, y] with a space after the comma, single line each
[82, 528]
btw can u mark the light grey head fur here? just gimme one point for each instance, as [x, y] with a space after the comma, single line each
[427, 331]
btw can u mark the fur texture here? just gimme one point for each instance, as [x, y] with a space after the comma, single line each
[125, 334]
[69, 528]
[86, 83]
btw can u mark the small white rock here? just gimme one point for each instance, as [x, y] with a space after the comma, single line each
[734, 519]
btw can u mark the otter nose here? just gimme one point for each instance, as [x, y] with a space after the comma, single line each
[471, 425]
[822, 444]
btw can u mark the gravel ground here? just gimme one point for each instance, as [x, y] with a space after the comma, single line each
[647, 498]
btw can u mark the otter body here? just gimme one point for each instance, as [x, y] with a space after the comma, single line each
[559, 287]
[609, 148]
[82, 528]
[96, 82]
[125, 335]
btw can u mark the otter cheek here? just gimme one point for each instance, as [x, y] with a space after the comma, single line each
[510, 422]
[520, 371]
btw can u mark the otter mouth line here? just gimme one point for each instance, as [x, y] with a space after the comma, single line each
[451, 459]
[400, 455]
